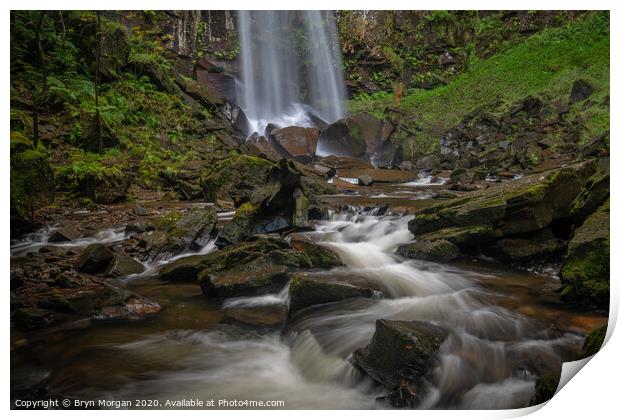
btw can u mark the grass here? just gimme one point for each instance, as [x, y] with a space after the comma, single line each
[545, 64]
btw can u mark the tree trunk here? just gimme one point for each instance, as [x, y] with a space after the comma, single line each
[39, 98]
[97, 83]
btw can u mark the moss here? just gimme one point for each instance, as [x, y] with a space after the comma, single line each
[594, 341]
[546, 385]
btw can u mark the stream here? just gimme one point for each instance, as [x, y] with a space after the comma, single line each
[504, 325]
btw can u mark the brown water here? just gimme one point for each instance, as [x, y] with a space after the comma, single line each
[505, 326]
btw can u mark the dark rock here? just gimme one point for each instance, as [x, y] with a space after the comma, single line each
[438, 250]
[237, 118]
[428, 163]
[320, 256]
[105, 188]
[345, 137]
[365, 180]
[32, 317]
[546, 386]
[95, 258]
[406, 166]
[298, 142]
[315, 289]
[222, 85]
[585, 271]
[67, 233]
[594, 193]
[265, 147]
[326, 171]
[581, 91]
[538, 246]
[138, 210]
[243, 283]
[123, 266]
[123, 305]
[594, 341]
[139, 226]
[400, 355]
[180, 232]
[272, 315]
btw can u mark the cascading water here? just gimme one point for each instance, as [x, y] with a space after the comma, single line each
[290, 68]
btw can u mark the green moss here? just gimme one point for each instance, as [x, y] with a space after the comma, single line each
[546, 386]
[594, 341]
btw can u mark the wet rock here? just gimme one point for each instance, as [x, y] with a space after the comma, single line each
[325, 171]
[522, 206]
[316, 289]
[406, 166]
[95, 258]
[67, 233]
[237, 118]
[365, 180]
[243, 283]
[342, 138]
[180, 232]
[539, 246]
[269, 315]
[594, 193]
[187, 191]
[594, 341]
[123, 305]
[32, 317]
[467, 176]
[585, 271]
[546, 386]
[428, 163]
[139, 226]
[581, 91]
[220, 84]
[106, 188]
[320, 256]
[123, 266]
[264, 147]
[300, 213]
[298, 142]
[438, 251]
[399, 356]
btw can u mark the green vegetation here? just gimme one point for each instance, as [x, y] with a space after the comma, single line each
[545, 64]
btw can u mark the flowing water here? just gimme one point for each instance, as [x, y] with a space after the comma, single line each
[290, 68]
[504, 327]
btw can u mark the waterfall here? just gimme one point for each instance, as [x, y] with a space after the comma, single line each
[290, 68]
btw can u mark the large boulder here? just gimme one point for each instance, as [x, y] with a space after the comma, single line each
[32, 183]
[585, 270]
[320, 256]
[439, 250]
[262, 147]
[180, 232]
[95, 258]
[221, 84]
[105, 187]
[299, 143]
[360, 136]
[243, 283]
[399, 356]
[511, 209]
[123, 266]
[315, 289]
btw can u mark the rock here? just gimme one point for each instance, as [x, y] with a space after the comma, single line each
[32, 318]
[439, 250]
[298, 142]
[263, 252]
[320, 256]
[546, 386]
[406, 166]
[400, 355]
[467, 176]
[315, 289]
[139, 226]
[594, 193]
[539, 246]
[123, 266]
[123, 305]
[237, 118]
[580, 92]
[325, 171]
[594, 341]
[115, 49]
[138, 210]
[585, 271]
[300, 213]
[105, 188]
[32, 184]
[67, 233]
[187, 190]
[428, 163]
[220, 84]
[518, 207]
[265, 148]
[243, 283]
[272, 315]
[95, 258]
[180, 232]
[365, 180]
[342, 138]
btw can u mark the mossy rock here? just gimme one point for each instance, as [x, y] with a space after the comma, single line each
[546, 386]
[440, 250]
[585, 271]
[537, 246]
[106, 187]
[308, 290]
[123, 266]
[243, 283]
[95, 258]
[594, 193]
[594, 341]
[32, 184]
[320, 256]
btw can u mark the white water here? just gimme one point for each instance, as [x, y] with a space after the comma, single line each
[277, 84]
[488, 360]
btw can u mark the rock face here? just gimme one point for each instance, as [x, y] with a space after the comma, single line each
[299, 143]
[243, 283]
[520, 211]
[122, 266]
[316, 289]
[178, 232]
[439, 250]
[585, 270]
[320, 256]
[398, 357]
